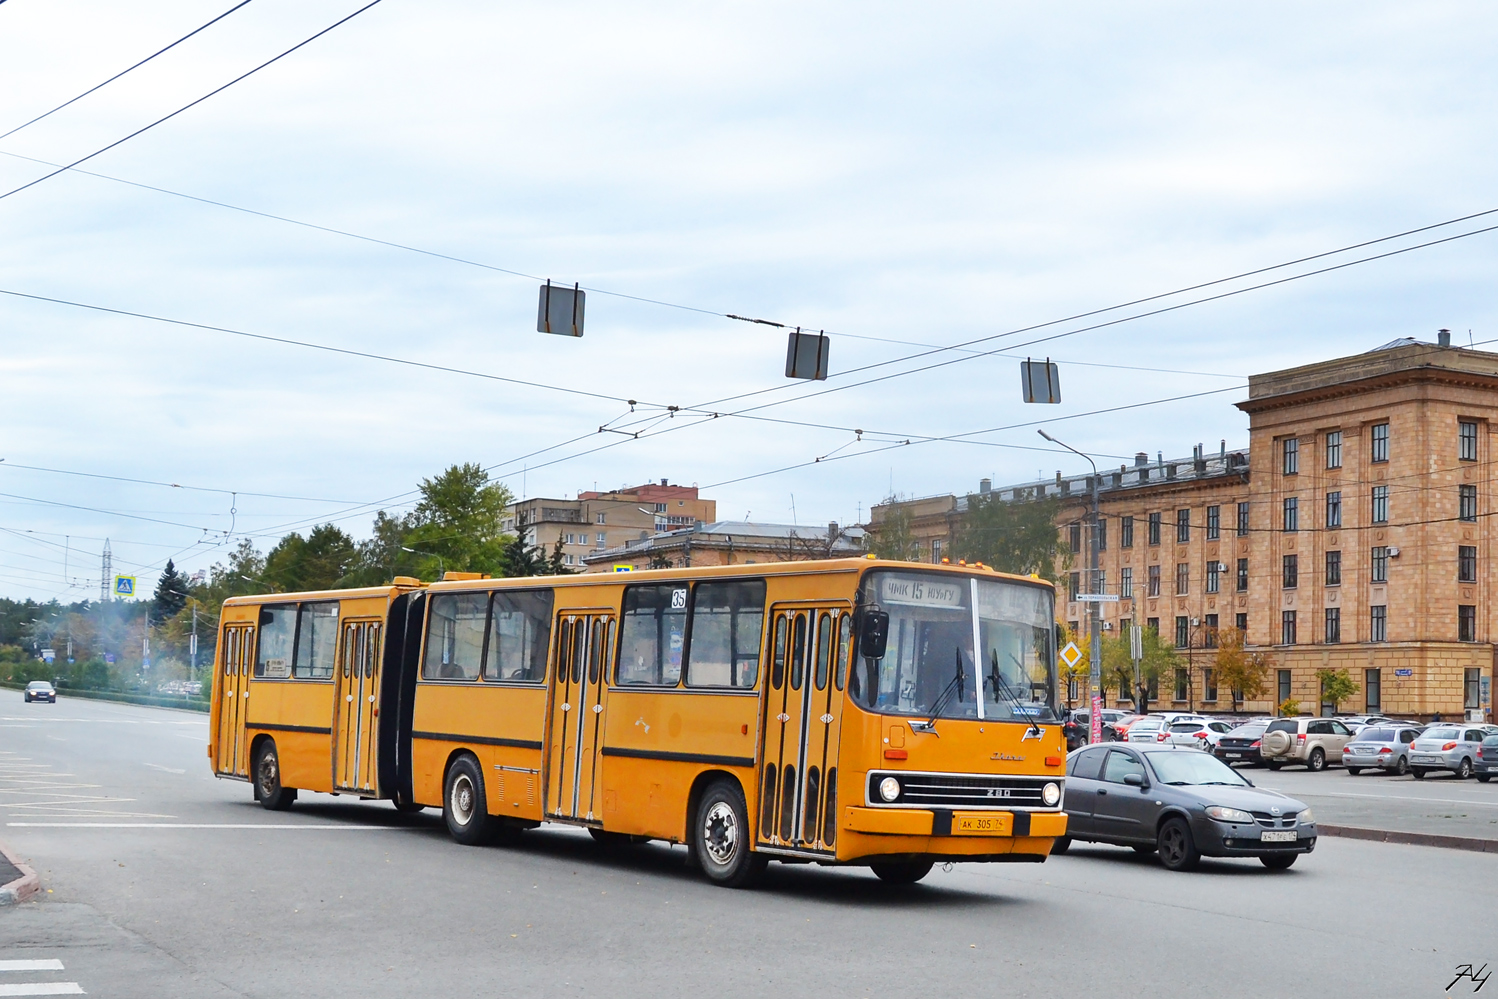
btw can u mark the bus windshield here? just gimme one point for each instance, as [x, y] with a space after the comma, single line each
[935, 622]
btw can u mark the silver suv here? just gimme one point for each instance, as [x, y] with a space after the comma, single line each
[1312, 741]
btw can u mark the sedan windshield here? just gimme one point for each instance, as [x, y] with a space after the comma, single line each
[929, 666]
[1193, 768]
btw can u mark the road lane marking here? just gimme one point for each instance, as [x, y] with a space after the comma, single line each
[42, 989]
[48, 964]
[206, 825]
[170, 770]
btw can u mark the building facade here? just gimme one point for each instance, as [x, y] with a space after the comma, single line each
[730, 543]
[1351, 534]
[596, 521]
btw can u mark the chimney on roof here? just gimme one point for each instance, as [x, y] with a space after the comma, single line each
[985, 486]
[1443, 338]
[1222, 452]
[832, 531]
[1141, 459]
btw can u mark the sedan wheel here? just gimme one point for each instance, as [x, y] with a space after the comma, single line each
[1402, 767]
[1176, 847]
[1354, 771]
[1464, 769]
[1278, 861]
[1419, 772]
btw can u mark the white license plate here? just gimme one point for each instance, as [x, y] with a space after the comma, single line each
[1233, 756]
[1277, 837]
[1425, 759]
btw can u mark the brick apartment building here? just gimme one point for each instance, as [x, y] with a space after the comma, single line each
[595, 521]
[731, 542]
[1352, 533]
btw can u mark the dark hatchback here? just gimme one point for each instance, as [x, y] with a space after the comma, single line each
[1181, 803]
[1241, 745]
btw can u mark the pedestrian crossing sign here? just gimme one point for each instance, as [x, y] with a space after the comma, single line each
[124, 586]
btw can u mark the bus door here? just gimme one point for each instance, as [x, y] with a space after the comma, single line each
[234, 683]
[579, 691]
[355, 685]
[792, 772]
[826, 675]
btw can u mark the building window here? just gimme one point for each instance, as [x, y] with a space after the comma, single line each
[1240, 621]
[1242, 520]
[1333, 625]
[1381, 504]
[1472, 688]
[1214, 523]
[1466, 624]
[601, 518]
[1154, 528]
[1183, 631]
[1378, 623]
[1290, 455]
[1242, 575]
[601, 539]
[1334, 508]
[1333, 568]
[1334, 449]
[1209, 631]
[1209, 685]
[1102, 534]
[1075, 538]
[1380, 442]
[1153, 581]
[936, 551]
[1181, 684]
[1466, 564]
[1292, 513]
[1126, 532]
[1183, 526]
[1126, 582]
[1373, 690]
[1287, 627]
[1073, 586]
[1467, 432]
[1467, 503]
[1380, 564]
[1214, 576]
[1183, 578]
[1291, 571]
[1152, 624]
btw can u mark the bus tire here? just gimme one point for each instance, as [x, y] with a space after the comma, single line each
[407, 807]
[268, 787]
[902, 873]
[721, 836]
[465, 808]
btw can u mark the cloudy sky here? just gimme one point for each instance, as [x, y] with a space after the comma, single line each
[903, 176]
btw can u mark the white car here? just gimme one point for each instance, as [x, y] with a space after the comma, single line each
[1200, 735]
[1149, 730]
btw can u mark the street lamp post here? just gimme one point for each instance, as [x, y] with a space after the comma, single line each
[1094, 608]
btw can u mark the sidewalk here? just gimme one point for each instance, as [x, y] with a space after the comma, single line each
[17, 881]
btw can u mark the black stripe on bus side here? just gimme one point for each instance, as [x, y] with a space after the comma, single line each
[482, 740]
[655, 754]
[310, 729]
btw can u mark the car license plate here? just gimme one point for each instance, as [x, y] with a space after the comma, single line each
[981, 824]
[1426, 759]
[1277, 837]
[1233, 756]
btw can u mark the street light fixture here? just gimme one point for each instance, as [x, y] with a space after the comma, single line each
[1094, 609]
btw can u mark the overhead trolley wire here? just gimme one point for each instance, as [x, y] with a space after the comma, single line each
[192, 104]
[122, 72]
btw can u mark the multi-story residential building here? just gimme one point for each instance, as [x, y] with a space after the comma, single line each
[730, 543]
[595, 521]
[1351, 534]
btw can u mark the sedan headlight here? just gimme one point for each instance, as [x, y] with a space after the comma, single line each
[1050, 794]
[889, 789]
[1306, 818]
[1224, 814]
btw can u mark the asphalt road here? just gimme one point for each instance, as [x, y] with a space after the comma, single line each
[164, 882]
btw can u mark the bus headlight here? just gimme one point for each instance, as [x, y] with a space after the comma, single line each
[889, 789]
[1050, 794]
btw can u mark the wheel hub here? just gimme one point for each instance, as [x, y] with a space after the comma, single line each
[462, 800]
[720, 833]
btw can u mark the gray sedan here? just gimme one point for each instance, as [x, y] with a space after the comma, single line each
[1381, 747]
[1447, 747]
[1182, 804]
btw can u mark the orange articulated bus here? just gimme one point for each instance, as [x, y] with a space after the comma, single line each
[849, 711]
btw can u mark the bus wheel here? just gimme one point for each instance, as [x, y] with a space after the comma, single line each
[720, 838]
[409, 807]
[902, 874]
[464, 807]
[268, 780]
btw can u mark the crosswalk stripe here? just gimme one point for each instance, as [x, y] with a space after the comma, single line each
[46, 964]
[42, 989]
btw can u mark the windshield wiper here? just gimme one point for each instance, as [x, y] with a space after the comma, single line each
[941, 699]
[997, 679]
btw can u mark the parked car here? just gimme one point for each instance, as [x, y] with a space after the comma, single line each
[1201, 735]
[1181, 804]
[1149, 729]
[1077, 728]
[1241, 745]
[1117, 730]
[40, 690]
[1358, 722]
[1382, 747]
[1312, 741]
[1447, 747]
[1486, 764]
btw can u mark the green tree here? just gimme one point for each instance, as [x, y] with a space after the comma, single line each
[892, 537]
[1337, 685]
[171, 592]
[556, 564]
[459, 523]
[1245, 673]
[316, 562]
[1016, 536]
[521, 559]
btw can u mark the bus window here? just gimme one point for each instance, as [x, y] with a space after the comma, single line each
[455, 636]
[824, 649]
[317, 642]
[728, 620]
[777, 668]
[653, 635]
[277, 641]
[798, 651]
[844, 650]
[519, 635]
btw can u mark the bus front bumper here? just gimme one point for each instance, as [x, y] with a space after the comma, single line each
[946, 822]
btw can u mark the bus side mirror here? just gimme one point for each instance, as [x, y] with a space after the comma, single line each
[873, 634]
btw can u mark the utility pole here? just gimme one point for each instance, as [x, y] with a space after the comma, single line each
[1094, 607]
[106, 570]
[192, 645]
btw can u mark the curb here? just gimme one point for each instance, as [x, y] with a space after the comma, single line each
[1469, 843]
[23, 887]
